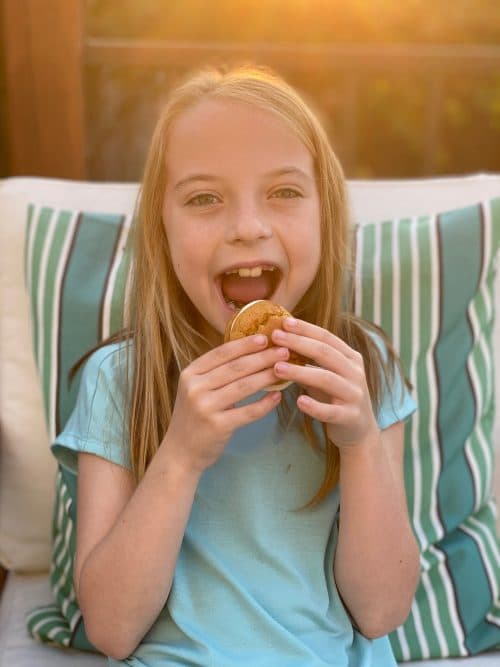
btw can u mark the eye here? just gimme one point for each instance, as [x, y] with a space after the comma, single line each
[204, 199]
[286, 193]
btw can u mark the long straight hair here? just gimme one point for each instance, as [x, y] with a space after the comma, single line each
[161, 317]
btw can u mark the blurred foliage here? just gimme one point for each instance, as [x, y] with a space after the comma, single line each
[382, 123]
[445, 21]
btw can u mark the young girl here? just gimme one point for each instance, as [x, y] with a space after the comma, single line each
[220, 524]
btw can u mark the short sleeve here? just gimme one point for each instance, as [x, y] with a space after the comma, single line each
[397, 404]
[97, 423]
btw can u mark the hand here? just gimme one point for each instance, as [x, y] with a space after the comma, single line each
[337, 390]
[204, 416]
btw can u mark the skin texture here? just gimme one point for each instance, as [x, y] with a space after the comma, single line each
[239, 213]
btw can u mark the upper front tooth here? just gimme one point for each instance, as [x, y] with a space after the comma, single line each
[247, 273]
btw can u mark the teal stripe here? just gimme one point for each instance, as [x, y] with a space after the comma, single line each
[49, 300]
[460, 247]
[472, 592]
[84, 287]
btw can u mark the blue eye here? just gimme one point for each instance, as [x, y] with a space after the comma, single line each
[286, 193]
[204, 199]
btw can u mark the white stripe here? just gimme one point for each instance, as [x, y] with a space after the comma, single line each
[30, 245]
[403, 642]
[480, 527]
[40, 297]
[396, 289]
[480, 347]
[59, 518]
[433, 384]
[45, 621]
[436, 621]
[128, 294]
[450, 597]
[58, 630]
[63, 578]
[110, 286]
[494, 620]
[492, 576]
[54, 329]
[415, 328]
[376, 274]
[73, 621]
[417, 619]
[71, 599]
[358, 277]
[65, 550]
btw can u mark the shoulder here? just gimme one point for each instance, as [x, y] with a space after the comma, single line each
[109, 362]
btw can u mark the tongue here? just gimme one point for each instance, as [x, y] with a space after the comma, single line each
[243, 290]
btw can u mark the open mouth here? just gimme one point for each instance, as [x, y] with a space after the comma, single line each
[240, 286]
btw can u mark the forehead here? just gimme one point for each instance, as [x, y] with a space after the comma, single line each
[222, 134]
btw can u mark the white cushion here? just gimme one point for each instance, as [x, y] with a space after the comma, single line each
[17, 649]
[27, 471]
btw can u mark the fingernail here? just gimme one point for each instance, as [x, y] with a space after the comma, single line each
[281, 367]
[260, 339]
[278, 334]
[291, 321]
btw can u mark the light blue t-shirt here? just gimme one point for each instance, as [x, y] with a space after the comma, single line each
[253, 584]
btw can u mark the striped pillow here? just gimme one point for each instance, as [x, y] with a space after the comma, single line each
[77, 274]
[428, 281]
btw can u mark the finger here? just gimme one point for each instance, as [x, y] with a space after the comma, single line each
[319, 351]
[227, 351]
[240, 416]
[310, 330]
[323, 412]
[245, 365]
[332, 384]
[242, 388]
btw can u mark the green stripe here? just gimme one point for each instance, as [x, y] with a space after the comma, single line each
[367, 268]
[386, 278]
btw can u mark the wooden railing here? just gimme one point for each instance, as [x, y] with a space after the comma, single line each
[46, 53]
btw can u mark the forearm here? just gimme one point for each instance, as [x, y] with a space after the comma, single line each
[376, 563]
[125, 580]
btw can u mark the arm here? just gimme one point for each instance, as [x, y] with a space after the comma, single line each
[129, 536]
[128, 541]
[377, 560]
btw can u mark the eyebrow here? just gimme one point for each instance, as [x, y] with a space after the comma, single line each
[282, 171]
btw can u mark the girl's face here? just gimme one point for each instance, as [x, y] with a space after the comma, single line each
[241, 210]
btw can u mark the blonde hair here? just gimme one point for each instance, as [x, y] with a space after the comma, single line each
[164, 340]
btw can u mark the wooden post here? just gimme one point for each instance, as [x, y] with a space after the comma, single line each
[43, 78]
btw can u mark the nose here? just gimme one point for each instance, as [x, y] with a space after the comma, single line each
[247, 224]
